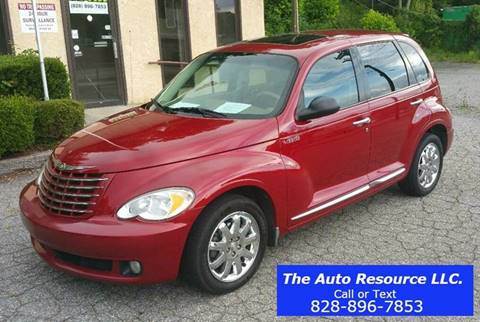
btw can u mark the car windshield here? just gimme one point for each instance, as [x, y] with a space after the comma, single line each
[233, 85]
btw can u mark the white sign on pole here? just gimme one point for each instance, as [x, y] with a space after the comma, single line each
[88, 8]
[46, 19]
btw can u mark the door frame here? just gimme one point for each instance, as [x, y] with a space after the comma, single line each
[119, 62]
[7, 24]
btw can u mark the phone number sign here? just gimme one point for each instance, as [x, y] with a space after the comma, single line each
[375, 290]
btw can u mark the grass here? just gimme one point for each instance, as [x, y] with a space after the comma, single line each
[441, 55]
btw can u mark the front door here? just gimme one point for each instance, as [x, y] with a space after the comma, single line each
[94, 52]
[329, 155]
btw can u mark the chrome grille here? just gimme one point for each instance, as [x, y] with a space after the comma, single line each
[69, 193]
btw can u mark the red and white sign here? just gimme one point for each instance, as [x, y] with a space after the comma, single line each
[46, 17]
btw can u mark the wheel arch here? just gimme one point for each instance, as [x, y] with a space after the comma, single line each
[257, 194]
[437, 128]
[440, 130]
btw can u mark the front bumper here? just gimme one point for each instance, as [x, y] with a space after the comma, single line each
[104, 238]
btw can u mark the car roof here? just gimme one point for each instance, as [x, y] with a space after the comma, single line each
[302, 45]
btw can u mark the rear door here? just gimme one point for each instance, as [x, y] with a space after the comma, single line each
[393, 99]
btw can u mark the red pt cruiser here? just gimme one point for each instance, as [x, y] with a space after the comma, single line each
[247, 143]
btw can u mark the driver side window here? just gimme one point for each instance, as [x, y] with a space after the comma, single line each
[332, 76]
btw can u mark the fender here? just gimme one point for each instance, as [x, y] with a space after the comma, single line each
[429, 114]
[263, 170]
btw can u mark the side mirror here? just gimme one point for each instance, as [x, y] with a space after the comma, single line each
[320, 106]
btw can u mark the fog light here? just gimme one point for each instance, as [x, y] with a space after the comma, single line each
[135, 267]
[130, 268]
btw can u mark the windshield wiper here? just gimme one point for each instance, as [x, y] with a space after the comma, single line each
[154, 102]
[197, 110]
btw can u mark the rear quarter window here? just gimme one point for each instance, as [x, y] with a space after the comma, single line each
[384, 68]
[418, 64]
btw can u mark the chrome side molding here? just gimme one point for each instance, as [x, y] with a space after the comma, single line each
[333, 202]
[383, 179]
[351, 194]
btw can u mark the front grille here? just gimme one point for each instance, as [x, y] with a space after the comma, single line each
[69, 193]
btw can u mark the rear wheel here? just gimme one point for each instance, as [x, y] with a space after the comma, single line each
[426, 168]
[226, 245]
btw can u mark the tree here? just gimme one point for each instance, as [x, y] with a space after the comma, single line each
[314, 14]
[278, 16]
[317, 13]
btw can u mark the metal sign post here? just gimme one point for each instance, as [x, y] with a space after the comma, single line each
[40, 52]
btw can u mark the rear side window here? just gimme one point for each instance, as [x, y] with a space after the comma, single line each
[418, 65]
[384, 67]
[332, 76]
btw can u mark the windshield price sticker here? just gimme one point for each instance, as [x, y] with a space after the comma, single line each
[375, 290]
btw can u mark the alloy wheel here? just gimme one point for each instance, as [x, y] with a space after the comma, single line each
[233, 246]
[428, 165]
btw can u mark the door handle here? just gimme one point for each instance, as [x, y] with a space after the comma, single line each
[417, 102]
[115, 50]
[362, 122]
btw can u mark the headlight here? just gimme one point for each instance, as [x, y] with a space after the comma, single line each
[40, 176]
[158, 205]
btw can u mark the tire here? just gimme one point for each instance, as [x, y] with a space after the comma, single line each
[208, 241]
[417, 182]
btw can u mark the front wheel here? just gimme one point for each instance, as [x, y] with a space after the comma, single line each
[226, 245]
[426, 168]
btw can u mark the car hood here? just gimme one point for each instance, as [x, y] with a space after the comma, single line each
[137, 138]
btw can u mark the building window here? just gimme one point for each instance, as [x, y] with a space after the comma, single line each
[174, 37]
[4, 34]
[227, 15]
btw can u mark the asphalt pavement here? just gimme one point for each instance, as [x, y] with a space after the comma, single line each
[389, 228]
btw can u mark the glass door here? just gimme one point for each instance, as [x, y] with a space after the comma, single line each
[174, 38]
[94, 52]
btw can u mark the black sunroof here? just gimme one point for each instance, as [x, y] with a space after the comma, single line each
[288, 39]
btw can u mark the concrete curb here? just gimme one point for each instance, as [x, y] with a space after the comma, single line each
[32, 161]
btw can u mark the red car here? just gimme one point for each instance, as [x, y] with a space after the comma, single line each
[247, 143]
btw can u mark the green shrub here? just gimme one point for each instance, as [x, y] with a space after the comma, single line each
[56, 120]
[20, 75]
[16, 124]
[472, 27]
[454, 38]
[428, 28]
[374, 20]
